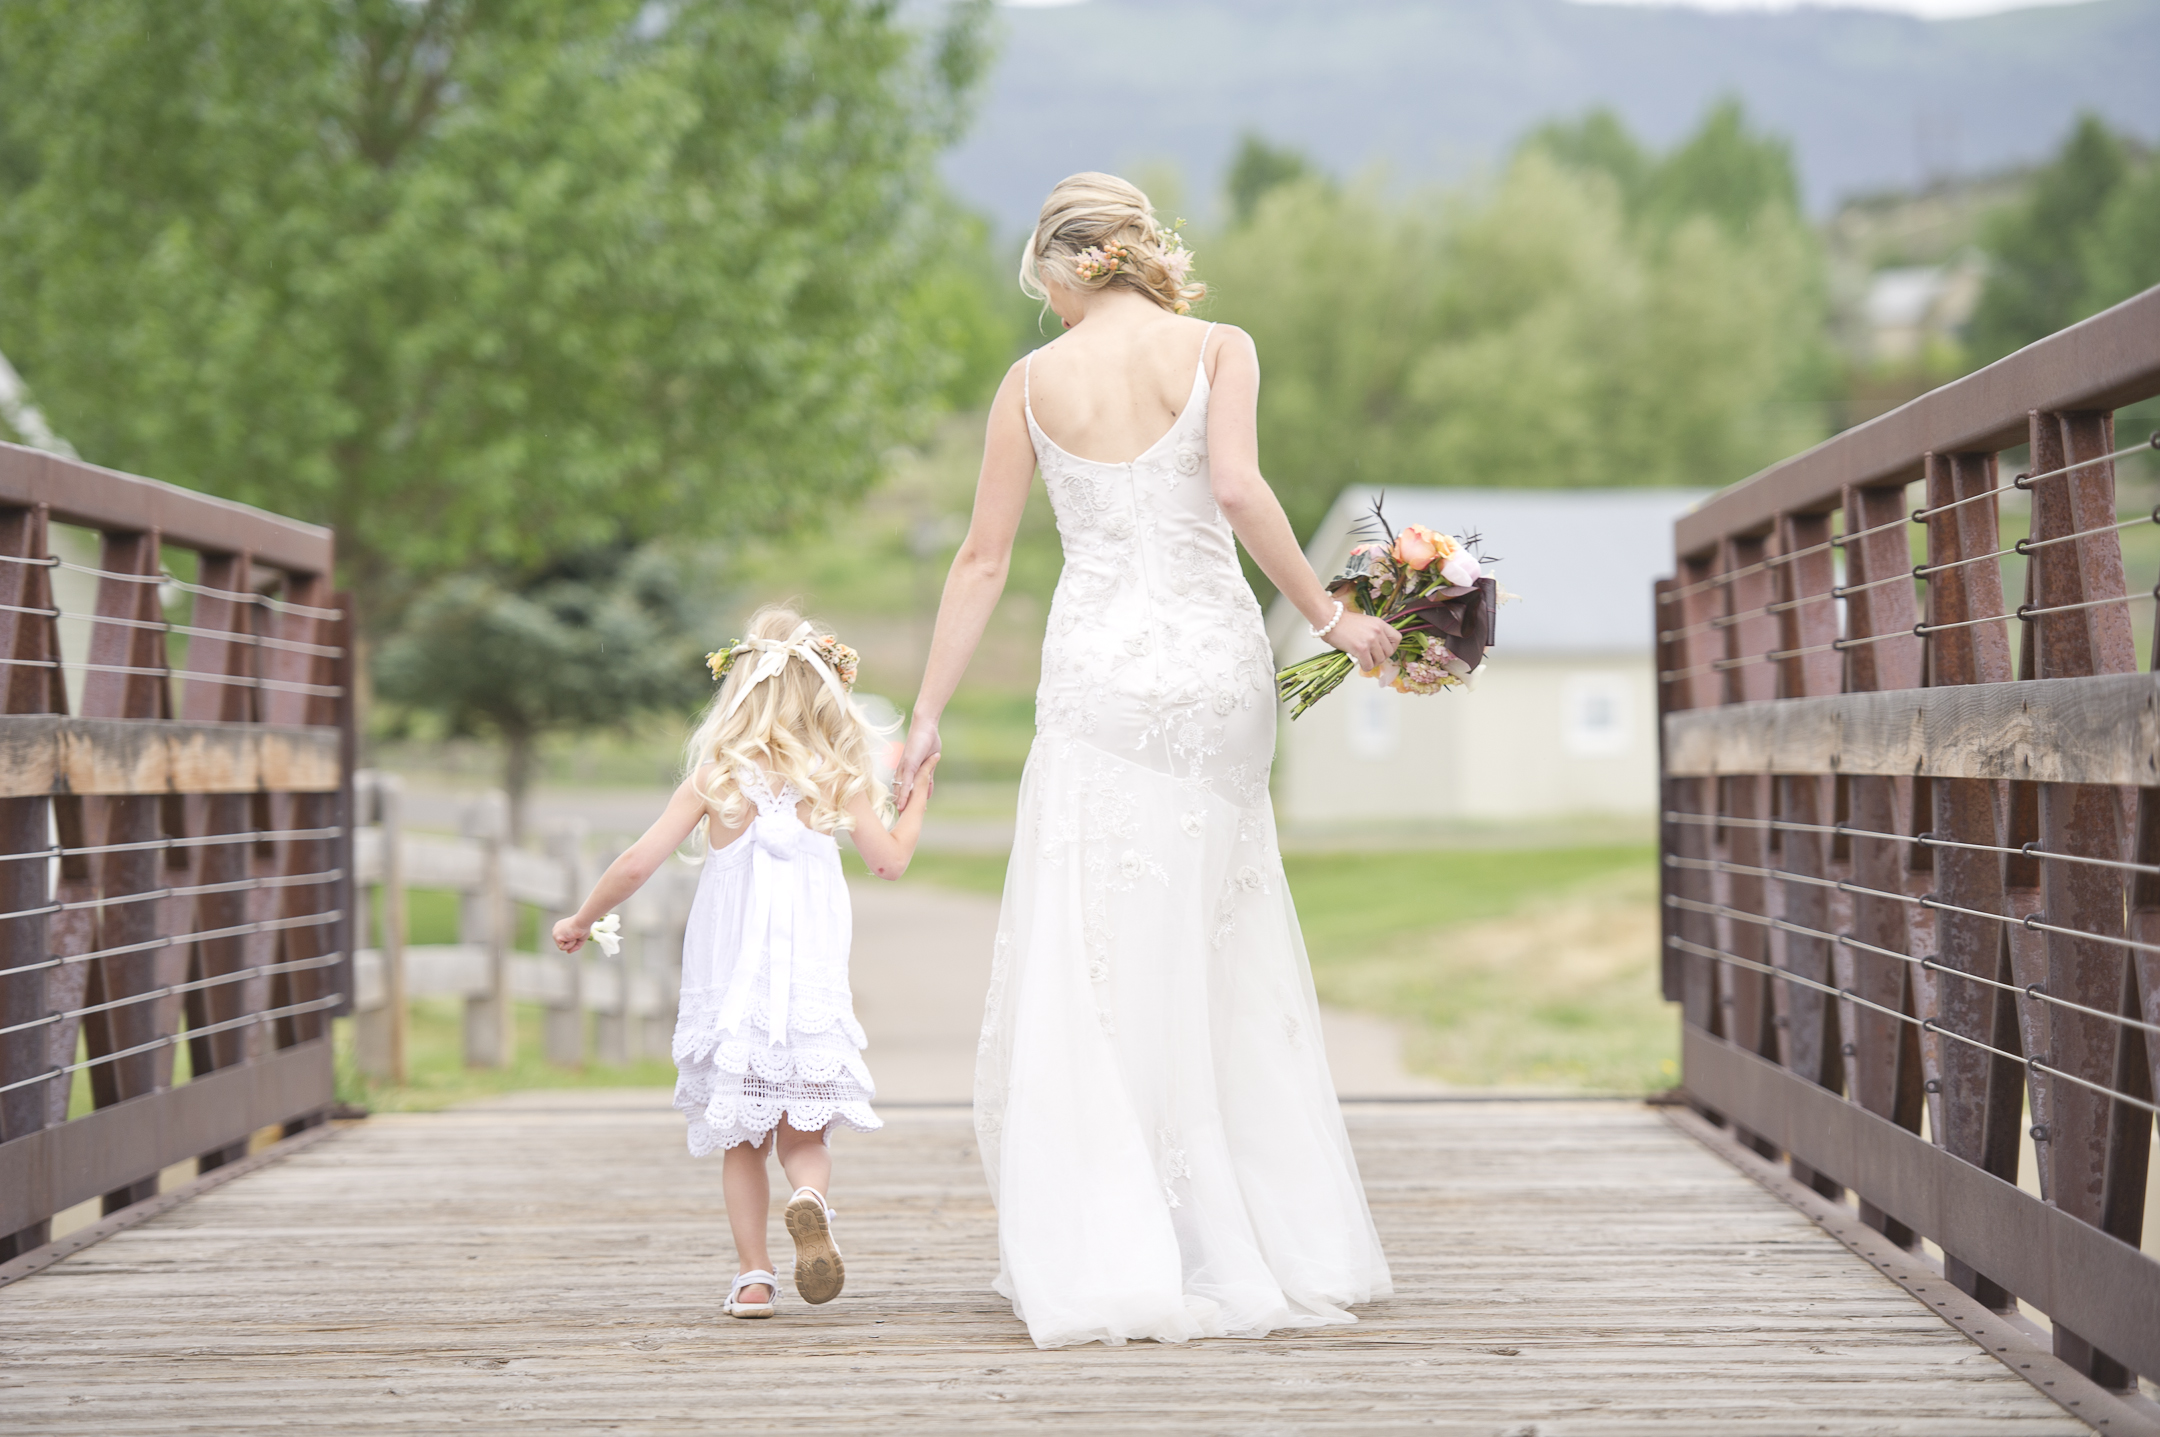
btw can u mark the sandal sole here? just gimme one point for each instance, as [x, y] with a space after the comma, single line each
[819, 1272]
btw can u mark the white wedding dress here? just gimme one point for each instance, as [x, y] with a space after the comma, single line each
[1152, 1099]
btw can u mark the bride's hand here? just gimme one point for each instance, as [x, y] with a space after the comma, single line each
[1367, 640]
[922, 743]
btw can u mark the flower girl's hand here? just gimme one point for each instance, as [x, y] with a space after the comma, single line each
[925, 783]
[922, 745]
[1366, 639]
[570, 935]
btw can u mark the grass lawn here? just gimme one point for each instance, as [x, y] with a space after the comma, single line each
[436, 1072]
[1514, 967]
[1540, 971]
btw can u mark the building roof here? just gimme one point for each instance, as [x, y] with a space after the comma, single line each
[1582, 559]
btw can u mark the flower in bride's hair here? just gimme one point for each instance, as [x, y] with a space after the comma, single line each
[1100, 261]
[1178, 263]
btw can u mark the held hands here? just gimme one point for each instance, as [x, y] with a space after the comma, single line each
[922, 747]
[1365, 639]
[918, 798]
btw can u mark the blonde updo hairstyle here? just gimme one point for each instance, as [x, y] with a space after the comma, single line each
[790, 726]
[1092, 211]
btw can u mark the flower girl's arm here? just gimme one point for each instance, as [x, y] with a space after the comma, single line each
[888, 853]
[627, 874]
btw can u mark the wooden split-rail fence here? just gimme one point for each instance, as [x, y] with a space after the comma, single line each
[629, 997]
[1911, 830]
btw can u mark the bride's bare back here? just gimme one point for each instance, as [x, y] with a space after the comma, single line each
[1112, 387]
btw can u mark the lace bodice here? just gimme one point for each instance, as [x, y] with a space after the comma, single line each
[1154, 640]
[756, 785]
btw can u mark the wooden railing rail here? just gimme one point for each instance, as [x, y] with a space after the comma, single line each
[1911, 837]
[629, 997]
[175, 841]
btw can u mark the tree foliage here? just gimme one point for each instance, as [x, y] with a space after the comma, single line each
[1599, 316]
[586, 644]
[2037, 266]
[1257, 168]
[480, 281]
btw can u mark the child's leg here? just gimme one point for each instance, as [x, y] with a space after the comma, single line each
[749, 1203]
[805, 1158]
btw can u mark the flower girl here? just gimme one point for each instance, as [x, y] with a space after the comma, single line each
[766, 1029]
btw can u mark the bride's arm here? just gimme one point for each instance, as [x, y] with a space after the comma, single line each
[1256, 515]
[978, 573]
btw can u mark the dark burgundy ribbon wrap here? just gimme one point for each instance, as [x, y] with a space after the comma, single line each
[1464, 622]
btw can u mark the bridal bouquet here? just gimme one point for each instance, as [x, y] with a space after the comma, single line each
[1432, 588]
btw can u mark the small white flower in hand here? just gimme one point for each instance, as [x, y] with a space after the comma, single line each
[608, 934]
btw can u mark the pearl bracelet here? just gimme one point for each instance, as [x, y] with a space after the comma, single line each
[1329, 627]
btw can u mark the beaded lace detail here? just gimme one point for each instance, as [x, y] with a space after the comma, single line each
[1151, 1100]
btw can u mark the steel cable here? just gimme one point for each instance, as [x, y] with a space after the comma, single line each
[1926, 1025]
[268, 1015]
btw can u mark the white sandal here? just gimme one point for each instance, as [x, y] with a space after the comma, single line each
[819, 1273]
[734, 1307]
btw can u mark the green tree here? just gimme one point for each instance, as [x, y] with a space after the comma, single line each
[1572, 326]
[2037, 280]
[1257, 168]
[2120, 256]
[594, 640]
[480, 281]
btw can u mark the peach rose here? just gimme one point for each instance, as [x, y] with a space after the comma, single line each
[1416, 547]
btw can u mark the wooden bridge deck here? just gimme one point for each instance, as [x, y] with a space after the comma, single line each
[555, 1263]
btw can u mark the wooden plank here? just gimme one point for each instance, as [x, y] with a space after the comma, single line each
[2076, 1273]
[555, 1262]
[44, 1172]
[44, 754]
[2104, 362]
[2085, 730]
[107, 499]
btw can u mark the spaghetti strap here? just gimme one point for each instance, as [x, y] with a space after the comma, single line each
[1027, 382]
[1205, 336]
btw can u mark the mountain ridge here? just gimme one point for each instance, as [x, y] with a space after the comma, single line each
[1437, 91]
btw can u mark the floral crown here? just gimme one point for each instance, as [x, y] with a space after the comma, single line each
[1099, 262]
[838, 657]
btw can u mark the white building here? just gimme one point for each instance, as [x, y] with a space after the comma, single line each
[1562, 722]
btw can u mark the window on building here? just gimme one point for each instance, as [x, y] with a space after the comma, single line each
[1594, 714]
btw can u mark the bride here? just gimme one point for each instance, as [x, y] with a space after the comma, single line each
[1152, 1100]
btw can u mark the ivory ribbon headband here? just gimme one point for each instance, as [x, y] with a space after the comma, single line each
[833, 661]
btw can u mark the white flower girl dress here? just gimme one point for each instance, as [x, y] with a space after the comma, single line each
[767, 1023]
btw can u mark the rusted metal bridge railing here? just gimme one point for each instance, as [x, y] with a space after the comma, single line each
[1911, 837]
[175, 843]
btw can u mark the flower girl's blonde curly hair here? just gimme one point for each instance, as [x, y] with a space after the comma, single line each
[793, 728]
[1097, 231]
